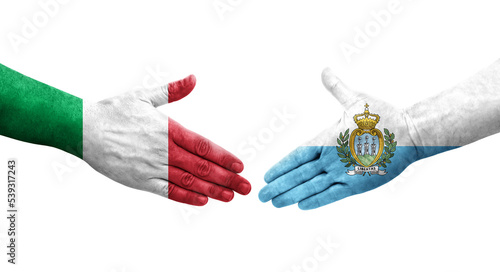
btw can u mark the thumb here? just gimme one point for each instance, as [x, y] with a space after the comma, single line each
[173, 91]
[333, 84]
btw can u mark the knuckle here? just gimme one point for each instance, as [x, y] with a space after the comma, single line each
[187, 180]
[158, 153]
[311, 187]
[203, 168]
[202, 147]
[171, 189]
[212, 190]
[224, 160]
[228, 180]
[301, 174]
[165, 190]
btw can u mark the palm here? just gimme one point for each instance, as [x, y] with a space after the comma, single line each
[324, 170]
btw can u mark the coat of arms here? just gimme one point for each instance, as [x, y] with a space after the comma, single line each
[366, 148]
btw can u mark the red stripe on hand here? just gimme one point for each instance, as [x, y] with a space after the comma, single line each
[180, 88]
[202, 147]
[197, 164]
[182, 195]
[189, 181]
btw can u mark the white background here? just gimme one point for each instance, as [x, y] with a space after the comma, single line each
[260, 57]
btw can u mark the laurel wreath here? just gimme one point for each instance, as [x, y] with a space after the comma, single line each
[389, 149]
[344, 151]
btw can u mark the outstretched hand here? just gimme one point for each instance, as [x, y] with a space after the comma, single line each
[337, 164]
[128, 140]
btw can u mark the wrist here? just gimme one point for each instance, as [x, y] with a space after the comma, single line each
[425, 132]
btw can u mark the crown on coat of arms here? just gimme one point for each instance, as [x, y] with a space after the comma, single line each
[368, 120]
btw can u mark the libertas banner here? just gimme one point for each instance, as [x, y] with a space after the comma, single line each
[360, 170]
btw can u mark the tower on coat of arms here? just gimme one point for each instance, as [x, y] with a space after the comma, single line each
[366, 148]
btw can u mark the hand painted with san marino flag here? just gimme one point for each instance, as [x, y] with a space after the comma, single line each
[124, 138]
[374, 142]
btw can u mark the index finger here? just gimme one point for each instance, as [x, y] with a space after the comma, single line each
[202, 147]
[296, 158]
[290, 180]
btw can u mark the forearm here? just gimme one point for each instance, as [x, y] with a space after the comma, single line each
[458, 116]
[34, 112]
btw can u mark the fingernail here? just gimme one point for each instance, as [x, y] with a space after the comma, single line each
[244, 188]
[237, 167]
[181, 88]
[227, 195]
[263, 195]
[201, 200]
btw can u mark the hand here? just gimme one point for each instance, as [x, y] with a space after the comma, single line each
[128, 140]
[323, 170]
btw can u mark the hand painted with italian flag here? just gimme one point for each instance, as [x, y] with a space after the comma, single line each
[374, 141]
[128, 140]
[125, 138]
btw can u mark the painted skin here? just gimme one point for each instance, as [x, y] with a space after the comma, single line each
[34, 112]
[314, 176]
[124, 138]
